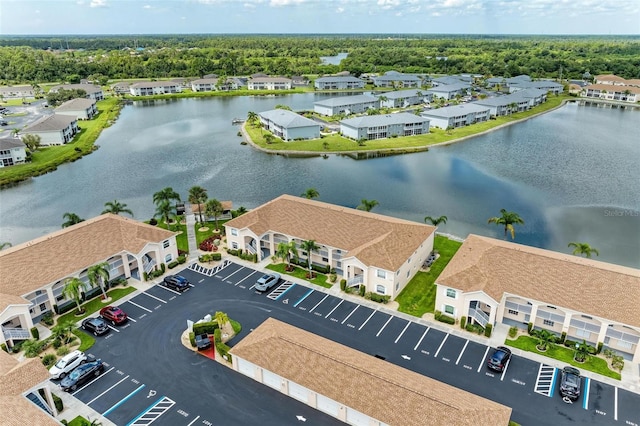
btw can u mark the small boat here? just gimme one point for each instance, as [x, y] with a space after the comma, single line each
[237, 121]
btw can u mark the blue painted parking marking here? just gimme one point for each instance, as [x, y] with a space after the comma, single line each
[553, 381]
[303, 297]
[585, 401]
[283, 293]
[122, 401]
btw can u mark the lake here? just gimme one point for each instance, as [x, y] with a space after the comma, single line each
[572, 174]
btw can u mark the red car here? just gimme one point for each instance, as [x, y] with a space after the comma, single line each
[113, 314]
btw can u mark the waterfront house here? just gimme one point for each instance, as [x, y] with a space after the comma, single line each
[396, 79]
[54, 129]
[614, 80]
[338, 83]
[492, 281]
[369, 127]
[548, 86]
[612, 92]
[269, 83]
[12, 151]
[506, 82]
[80, 108]
[456, 115]
[148, 88]
[212, 84]
[450, 91]
[404, 98]
[379, 252]
[346, 105]
[93, 92]
[515, 102]
[299, 80]
[287, 125]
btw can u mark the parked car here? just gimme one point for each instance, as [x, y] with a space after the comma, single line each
[66, 364]
[81, 375]
[3, 123]
[570, 383]
[176, 282]
[202, 341]
[113, 314]
[267, 281]
[98, 326]
[498, 359]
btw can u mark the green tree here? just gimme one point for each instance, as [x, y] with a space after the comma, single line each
[281, 106]
[62, 331]
[32, 141]
[198, 196]
[221, 318]
[583, 249]
[367, 205]
[545, 339]
[166, 194]
[116, 207]
[214, 208]
[435, 221]
[582, 351]
[164, 211]
[309, 246]
[286, 251]
[269, 138]
[5, 245]
[252, 117]
[98, 275]
[507, 219]
[310, 193]
[73, 289]
[71, 219]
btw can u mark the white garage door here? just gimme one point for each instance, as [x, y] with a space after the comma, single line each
[298, 392]
[272, 380]
[246, 368]
[328, 405]
[356, 418]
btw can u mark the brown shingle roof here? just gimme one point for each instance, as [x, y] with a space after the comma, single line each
[612, 89]
[584, 285]
[10, 143]
[50, 123]
[31, 265]
[76, 104]
[376, 240]
[377, 388]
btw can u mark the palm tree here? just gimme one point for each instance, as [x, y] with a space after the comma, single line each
[73, 289]
[382, 99]
[62, 332]
[165, 212]
[582, 351]
[583, 249]
[286, 251]
[198, 195]
[221, 318]
[71, 219]
[99, 275]
[241, 210]
[508, 219]
[309, 246]
[116, 207]
[167, 194]
[310, 193]
[213, 208]
[545, 339]
[435, 221]
[252, 117]
[367, 205]
[5, 245]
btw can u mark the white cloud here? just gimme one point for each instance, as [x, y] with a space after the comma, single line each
[340, 10]
[280, 3]
[146, 6]
[98, 3]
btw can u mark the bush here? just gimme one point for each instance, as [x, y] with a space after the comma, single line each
[192, 339]
[529, 327]
[35, 333]
[56, 343]
[343, 284]
[153, 221]
[182, 259]
[375, 297]
[62, 351]
[463, 322]
[570, 344]
[333, 278]
[57, 402]
[362, 289]
[437, 314]
[563, 336]
[475, 328]
[446, 319]
[487, 330]
[221, 347]
[4, 347]
[47, 319]
[216, 256]
[320, 268]
[205, 327]
[173, 264]
[599, 348]
[48, 360]
[513, 331]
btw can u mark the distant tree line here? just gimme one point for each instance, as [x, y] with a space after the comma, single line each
[45, 59]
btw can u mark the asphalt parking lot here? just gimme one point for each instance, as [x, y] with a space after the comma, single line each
[152, 377]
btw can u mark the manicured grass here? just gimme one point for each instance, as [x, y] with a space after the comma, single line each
[182, 239]
[320, 279]
[95, 304]
[86, 341]
[564, 354]
[203, 235]
[419, 296]
[79, 421]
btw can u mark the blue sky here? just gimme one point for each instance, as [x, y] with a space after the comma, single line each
[320, 16]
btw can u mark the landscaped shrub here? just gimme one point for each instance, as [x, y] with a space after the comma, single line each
[570, 344]
[48, 360]
[529, 327]
[375, 297]
[487, 330]
[56, 343]
[47, 319]
[562, 337]
[162, 268]
[182, 259]
[205, 327]
[221, 347]
[333, 278]
[4, 347]
[62, 351]
[173, 264]
[437, 314]
[446, 319]
[153, 221]
[145, 276]
[599, 348]
[216, 256]
[35, 333]
[192, 339]
[209, 243]
[343, 284]
[361, 290]
[323, 269]
[513, 331]
[57, 401]
[32, 347]
[463, 322]
[475, 328]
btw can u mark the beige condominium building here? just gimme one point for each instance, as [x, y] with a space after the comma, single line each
[380, 252]
[492, 281]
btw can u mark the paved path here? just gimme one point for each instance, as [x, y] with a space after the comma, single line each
[191, 233]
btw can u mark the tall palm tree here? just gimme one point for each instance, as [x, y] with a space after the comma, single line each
[213, 208]
[99, 275]
[73, 289]
[583, 249]
[198, 195]
[5, 245]
[166, 194]
[508, 219]
[286, 251]
[367, 205]
[310, 193]
[165, 212]
[435, 221]
[71, 219]
[252, 117]
[116, 207]
[221, 318]
[545, 339]
[62, 331]
[309, 246]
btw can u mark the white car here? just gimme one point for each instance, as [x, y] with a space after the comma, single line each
[267, 281]
[66, 364]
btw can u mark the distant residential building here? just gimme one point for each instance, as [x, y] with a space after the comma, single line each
[614, 80]
[80, 108]
[456, 115]
[269, 83]
[612, 92]
[213, 84]
[450, 79]
[396, 79]
[148, 88]
[287, 125]
[371, 127]
[12, 151]
[15, 92]
[515, 102]
[54, 129]
[450, 91]
[338, 83]
[404, 98]
[346, 105]
[549, 86]
[299, 80]
[93, 92]
[506, 82]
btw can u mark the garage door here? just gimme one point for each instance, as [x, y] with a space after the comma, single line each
[272, 380]
[328, 405]
[246, 368]
[355, 417]
[298, 392]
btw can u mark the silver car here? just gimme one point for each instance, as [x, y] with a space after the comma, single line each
[267, 281]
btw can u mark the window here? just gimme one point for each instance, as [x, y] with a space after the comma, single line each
[583, 333]
[165, 244]
[234, 232]
[451, 293]
[586, 316]
[43, 307]
[409, 260]
[408, 272]
[325, 259]
[234, 245]
[380, 289]
[167, 258]
[513, 312]
[59, 298]
[448, 309]
[382, 274]
[397, 286]
[623, 344]
[548, 322]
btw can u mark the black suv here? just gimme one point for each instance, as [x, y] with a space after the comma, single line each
[570, 383]
[498, 359]
[97, 326]
[176, 282]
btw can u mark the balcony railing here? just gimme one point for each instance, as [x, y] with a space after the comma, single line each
[16, 333]
[357, 280]
[480, 316]
[251, 249]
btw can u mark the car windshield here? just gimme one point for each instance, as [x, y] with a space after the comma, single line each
[62, 363]
[264, 278]
[75, 374]
[499, 355]
[572, 380]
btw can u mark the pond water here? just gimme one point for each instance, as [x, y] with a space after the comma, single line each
[333, 60]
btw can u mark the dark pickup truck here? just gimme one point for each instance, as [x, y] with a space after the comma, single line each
[202, 341]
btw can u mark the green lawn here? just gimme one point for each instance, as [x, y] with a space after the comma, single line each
[203, 235]
[86, 341]
[182, 239]
[320, 279]
[419, 296]
[95, 304]
[564, 354]
[80, 421]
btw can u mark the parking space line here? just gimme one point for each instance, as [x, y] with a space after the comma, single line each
[441, 345]
[303, 297]
[615, 403]
[139, 306]
[233, 273]
[113, 328]
[483, 358]
[350, 313]
[154, 297]
[88, 383]
[318, 304]
[154, 411]
[367, 320]
[385, 324]
[291, 285]
[334, 308]
[585, 402]
[504, 370]
[462, 351]
[171, 290]
[194, 420]
[403, 330]
[420, 341]
[122, 401]
[245, 278]
[131, 319]
[113, 386]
